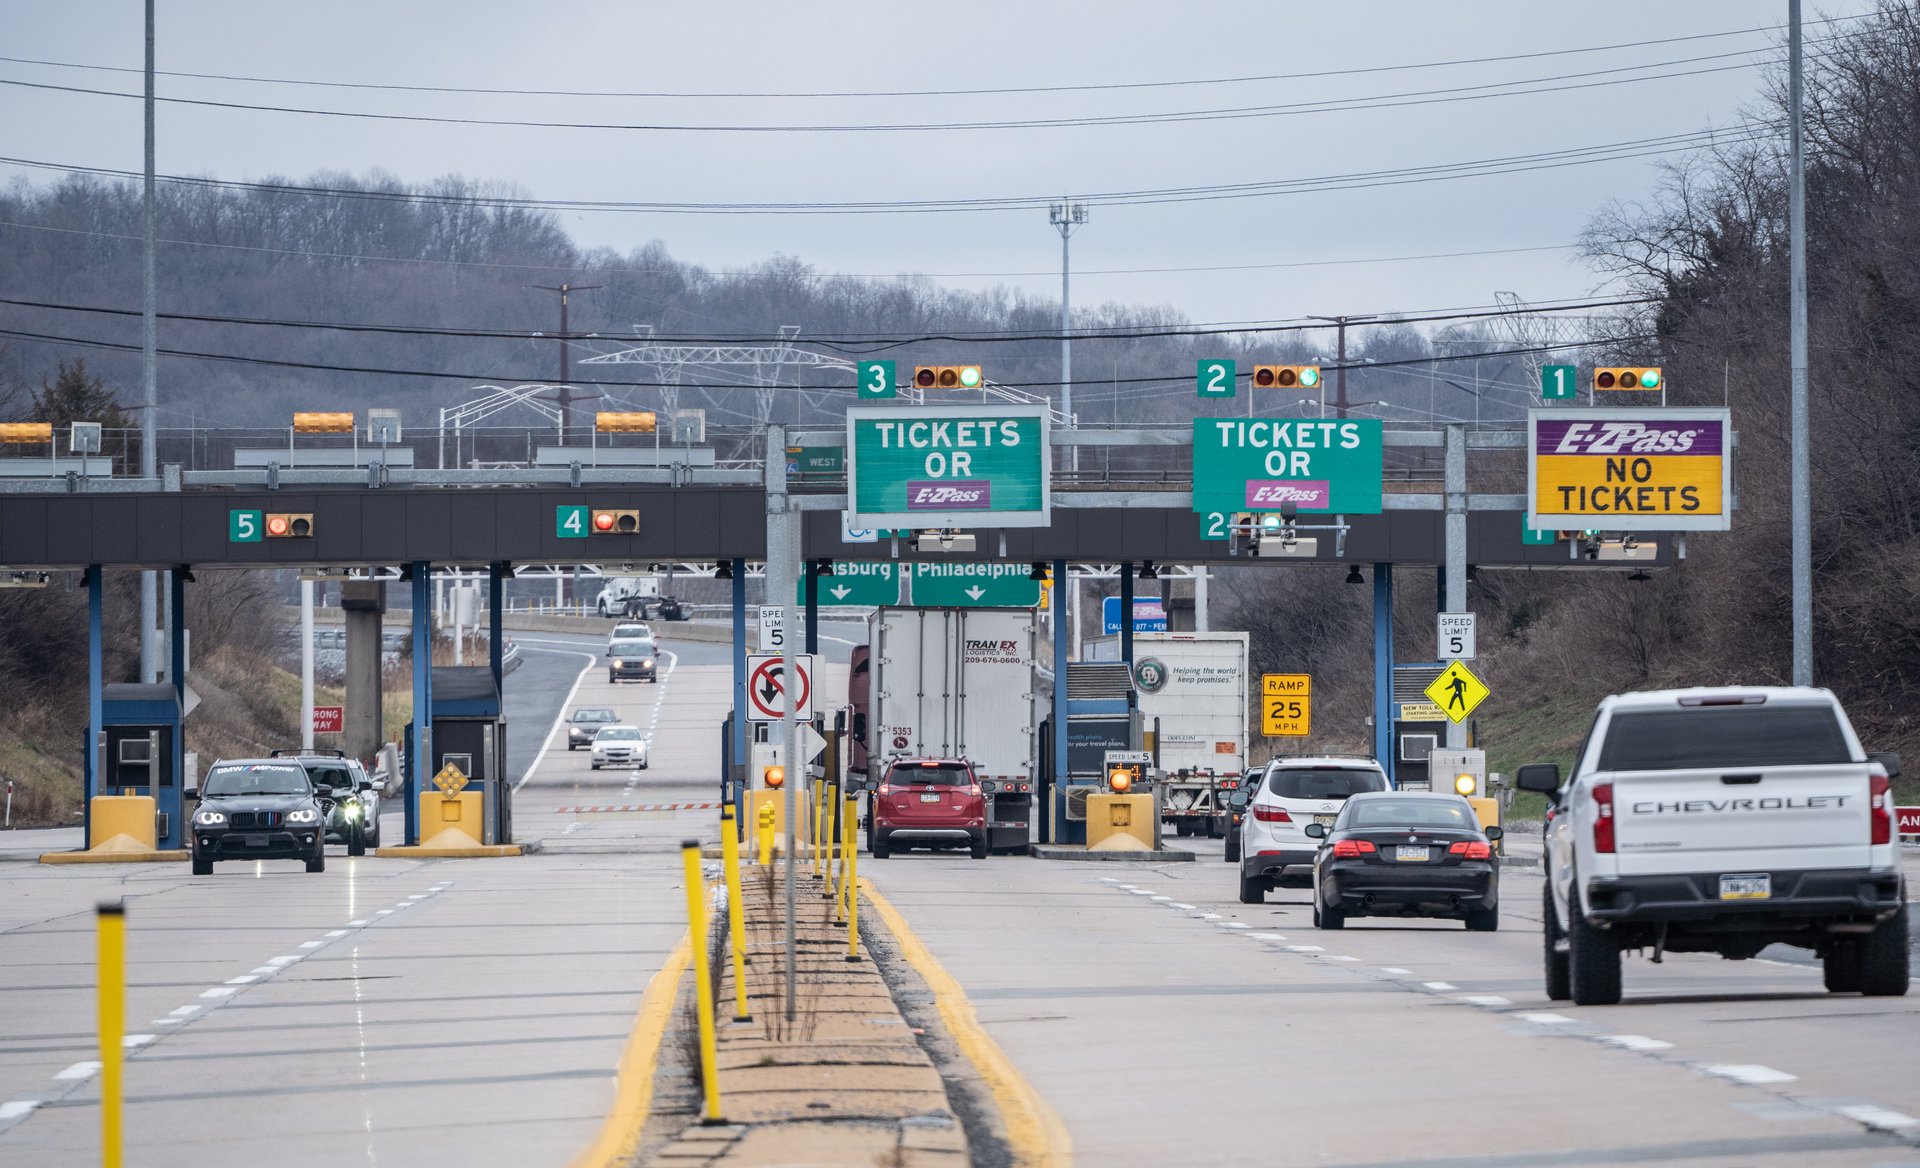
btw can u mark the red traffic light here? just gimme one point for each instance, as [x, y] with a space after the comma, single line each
[603, 521]
[277, 525]
[293, 525]
[615, 522]
[923, 377]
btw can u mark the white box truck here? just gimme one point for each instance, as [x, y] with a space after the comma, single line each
[1196, 685]
[960, 683]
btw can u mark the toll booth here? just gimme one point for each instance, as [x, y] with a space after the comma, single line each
[139, 744]
[470, 732]
[1102, 715]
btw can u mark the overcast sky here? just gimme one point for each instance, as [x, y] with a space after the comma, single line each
[1621, 94]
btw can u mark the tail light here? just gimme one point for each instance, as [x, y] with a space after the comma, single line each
[974, 790]
[1471, 849]
[1603, 825]
[1272, 815]
[1348, 848]
[1877, 800]
[885, 790]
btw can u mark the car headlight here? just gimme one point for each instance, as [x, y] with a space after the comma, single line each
[350, 810]
[304, 815]
[619, 664]
[208, 818]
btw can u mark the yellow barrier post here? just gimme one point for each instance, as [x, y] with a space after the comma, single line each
[830, 835]
[766, 833]
[112, 976]
[702, 982]
[853, 888]
[819, 829]
[736, 911]
[846, 836]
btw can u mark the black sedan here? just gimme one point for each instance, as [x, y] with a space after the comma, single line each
[258, 810]
[1406, 854]
[587, 722]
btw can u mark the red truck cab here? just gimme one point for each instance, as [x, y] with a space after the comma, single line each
[930, 803]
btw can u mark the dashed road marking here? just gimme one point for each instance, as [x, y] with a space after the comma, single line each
[1636, 1042]
[1439, 985]
[1875, 1116]
[1485, 1000]
[1748, 1073]
[1542, 1019]
[79, 1071]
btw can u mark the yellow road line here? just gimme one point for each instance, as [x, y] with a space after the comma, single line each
[1037, 1137]
[633, 1086]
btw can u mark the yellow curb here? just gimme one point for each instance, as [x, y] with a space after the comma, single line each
[1035, 1134]
[428, 852]
[633, 1086]
[110, 857]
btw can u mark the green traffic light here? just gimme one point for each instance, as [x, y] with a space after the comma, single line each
[1309, 376]
[970, 377]
[1650, 378]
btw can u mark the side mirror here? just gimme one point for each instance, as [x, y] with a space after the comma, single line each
[1888, 761]
[1237, 800]
[1494, 831]
[1316, 830]
[1543, 777]
[191, 792]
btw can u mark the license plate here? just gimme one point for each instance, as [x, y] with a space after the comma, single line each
[256, 841]
[930, 798]
[1746, 887]
[1409, 852]
[1326, 819]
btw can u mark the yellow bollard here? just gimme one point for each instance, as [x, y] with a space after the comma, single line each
[853, 888]
[766, 833]
[846, 836]
[702, 986]
[112, 975]
[819, 829]
[829, 836]
[736, 911]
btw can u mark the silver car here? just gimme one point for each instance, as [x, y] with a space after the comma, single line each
[619, 746]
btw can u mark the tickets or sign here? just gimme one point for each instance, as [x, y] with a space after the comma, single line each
[948, 466]
[1630, 469]
[1457, 691]
[1286, 705]
[767, 682]
[329, 719]
[1455, 636]
[451, 780]
[1265, 464]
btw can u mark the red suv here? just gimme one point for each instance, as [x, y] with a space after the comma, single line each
[930, 803]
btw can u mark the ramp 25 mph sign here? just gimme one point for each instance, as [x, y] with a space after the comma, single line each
[948, 466]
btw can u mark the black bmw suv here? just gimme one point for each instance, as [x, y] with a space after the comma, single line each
[258, 809]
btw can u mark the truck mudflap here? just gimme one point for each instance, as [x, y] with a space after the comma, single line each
[1795, 898]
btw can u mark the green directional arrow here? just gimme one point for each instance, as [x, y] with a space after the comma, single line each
[855, 584]
[974, 586]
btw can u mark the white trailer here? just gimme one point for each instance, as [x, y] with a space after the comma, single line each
[1195, 684]
[960, 683]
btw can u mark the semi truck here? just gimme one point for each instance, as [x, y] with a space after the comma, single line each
[1194, 685]
[964, 683]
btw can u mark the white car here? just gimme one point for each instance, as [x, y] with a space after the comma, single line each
[1294, 792]
[619, 746]
[631, 631]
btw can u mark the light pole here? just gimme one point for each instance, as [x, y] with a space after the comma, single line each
[1065, 216]
[1801, 532]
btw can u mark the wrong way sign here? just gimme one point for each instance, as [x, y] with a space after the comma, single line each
[767, 681]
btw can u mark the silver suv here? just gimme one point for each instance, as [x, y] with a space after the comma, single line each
[1293, 792]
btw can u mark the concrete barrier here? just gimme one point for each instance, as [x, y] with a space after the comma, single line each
[713, 632]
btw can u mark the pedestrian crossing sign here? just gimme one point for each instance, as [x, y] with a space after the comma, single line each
[1457, 691]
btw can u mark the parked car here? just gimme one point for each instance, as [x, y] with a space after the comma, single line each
[1282, 799]
[586, 722]
[928, 802]
[633, 659]
[619, 746]
[257, 809]
[1406, 854]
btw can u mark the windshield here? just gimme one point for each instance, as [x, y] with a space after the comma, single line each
[331, 777]
[640, 631]
[594, 716]
[1325, 782]
[257, 779]
[618, 734]
[1723, 736]
[1427, 813]
[632, 649]
[944, 774]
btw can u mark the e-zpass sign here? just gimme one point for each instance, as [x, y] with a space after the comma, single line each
[948, 466]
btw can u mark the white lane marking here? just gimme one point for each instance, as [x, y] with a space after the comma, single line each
[377, 912]
[336, 933]
[1391, 969]
[1330, 957]
[79, 1071]
[1210, 916]
[1124, 886]
[418, 896]
[265, 969]
[17, 1108]
[164, 1022]
[1266, 936]
[137, 1039]
[1485, 1000]
[1141, 891]
[1874, 1115]
[1234, 925]
[186, 1011]
[1184, 907]
[1443, 985]
[1166, 899]
[1636, 1042]
[1542, 1019]
[560, 718]
[285, 960]
[355, 924]
[1749, 1073]
[243, 979]
[1304, 949]
[220, 992]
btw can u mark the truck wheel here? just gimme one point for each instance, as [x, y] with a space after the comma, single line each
[1183, 827]
[202, 867]
[1483, 921]
[1884, 959]
[1593, 960]
[1559, 977]
[1253, 890]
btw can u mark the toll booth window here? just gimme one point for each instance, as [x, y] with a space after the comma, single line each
[1325, 782]
[256, 780]
[945, 774]
[1441, 813]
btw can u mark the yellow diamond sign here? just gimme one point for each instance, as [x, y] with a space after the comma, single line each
[450, 780]
[1457, 691]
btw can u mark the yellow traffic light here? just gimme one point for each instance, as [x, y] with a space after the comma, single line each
[640, 423]
[323, 423]
[1286, 376]
[290, 525]
[609, 522]
[26, 432]
[1120, 779]
[1465, 784]
[1626, 378]
[773, 776]
[947, 376]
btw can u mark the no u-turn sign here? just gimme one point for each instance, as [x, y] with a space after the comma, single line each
[767, 681]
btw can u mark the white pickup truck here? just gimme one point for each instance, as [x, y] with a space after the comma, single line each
[1722, 821]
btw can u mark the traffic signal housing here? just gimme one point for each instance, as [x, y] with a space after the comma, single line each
[1286, 376]
[337, 423]
[289, 525]
[774, 777]
[1626, 378]
[630, 423]
[605, 521]
[947, 376]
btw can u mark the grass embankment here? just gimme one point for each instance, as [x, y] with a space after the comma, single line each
[396, 704]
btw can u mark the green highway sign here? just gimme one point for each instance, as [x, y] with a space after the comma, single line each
[1215, 525]
[948, 466]
[822, 460]
[1531, 536]
[964, 585]
[245, 526]
[874, 379]
[1557, 381]
[1261, 464]
[1215, 379]
[854, 584]
[570, 522]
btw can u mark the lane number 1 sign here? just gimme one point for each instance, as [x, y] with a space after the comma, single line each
[1456, 636]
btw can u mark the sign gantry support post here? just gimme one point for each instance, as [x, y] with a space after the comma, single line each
[1456, 566]
[1383, 710]
[783, 547]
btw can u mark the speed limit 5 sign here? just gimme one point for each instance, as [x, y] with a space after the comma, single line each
[1456, 636]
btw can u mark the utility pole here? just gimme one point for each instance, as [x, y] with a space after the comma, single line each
[1341, 404]
[149, 378]
[1802, 520]
[564, 392]
[1065, 216]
